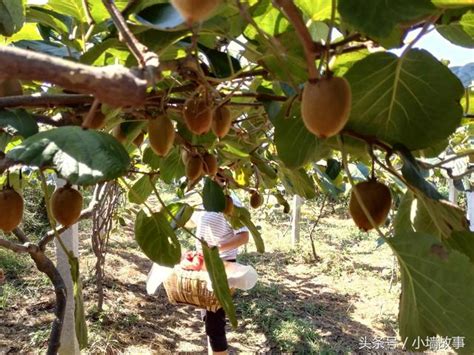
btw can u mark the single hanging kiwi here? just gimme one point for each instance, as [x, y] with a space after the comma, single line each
[161, 135]
[210, 164]
[221, 121]
[10, 87]
[326, 105]
[377, 199]
[139, 139]
[11, 209]
[97, 121]
[197, 115]
[194, 168]
[229, 206]
[66, 205]
[195, 10]
[256, 199]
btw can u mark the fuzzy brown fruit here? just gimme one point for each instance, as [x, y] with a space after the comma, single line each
[229, 206]
[377, 199]
[197, 115]
[195, 10]
[210, 164]
[161, 135]
[326, 105]
[97, 121]
[66, 205]
[221, 121]
[10, 87]
[194, 168]
[256, 199]
[119, 134]
[11, 209]
[139, 139]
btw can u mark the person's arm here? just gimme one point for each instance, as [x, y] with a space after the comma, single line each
[236, 241]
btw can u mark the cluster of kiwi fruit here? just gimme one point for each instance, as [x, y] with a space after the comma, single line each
[195, 10]
[200, 117]
[377, 200]
[197, 165]
[66, 206]
[326, 105]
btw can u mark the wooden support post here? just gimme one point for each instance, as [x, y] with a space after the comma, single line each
[296, 216]
[70, 239]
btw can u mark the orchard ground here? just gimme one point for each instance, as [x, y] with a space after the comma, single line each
[299, 304]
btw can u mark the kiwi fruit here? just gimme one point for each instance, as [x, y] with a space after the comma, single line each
[210, 164]
[229, 206]
[118, 133]
[66, 205]
[256, 199]
[194, 168]
[197, 115]
[139, 139]
[161, 135]
[195, 10]
[326, 105]
[96, 122]
[10, 87]
[11, 209]
[377, 199]
[221, 121]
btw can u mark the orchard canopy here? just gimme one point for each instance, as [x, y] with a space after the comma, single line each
[133, 91]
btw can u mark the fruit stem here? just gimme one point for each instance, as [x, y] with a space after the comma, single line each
[294, 16]
[345, 164]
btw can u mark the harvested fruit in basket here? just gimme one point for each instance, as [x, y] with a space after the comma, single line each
[192, 260]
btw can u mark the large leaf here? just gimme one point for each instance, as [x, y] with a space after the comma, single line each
[83, 157]
[181, 213]
[241, 217]
[18, 122]
[295, 145]
[437, 289]
[156, 238]
[415, 175]
[12, 16]
[171, 167]
[71, 8]
[297, 182]
[317, 10]
[222, 64]
[413, 100]
[213, 197]
[378, 18]
[216, 270]
[460, 32]
[162, 17]
[141, 189]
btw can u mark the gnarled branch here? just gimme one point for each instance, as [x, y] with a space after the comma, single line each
[114, 85]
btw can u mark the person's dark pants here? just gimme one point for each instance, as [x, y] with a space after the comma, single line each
[215, 328]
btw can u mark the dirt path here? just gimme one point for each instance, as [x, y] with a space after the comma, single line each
[296, 305]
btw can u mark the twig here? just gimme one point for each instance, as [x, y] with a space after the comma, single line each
[45, 100]
[87, 11]
[17, 248]
[141, 53]
[289, 8]
[21, 236]
[441, 163]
